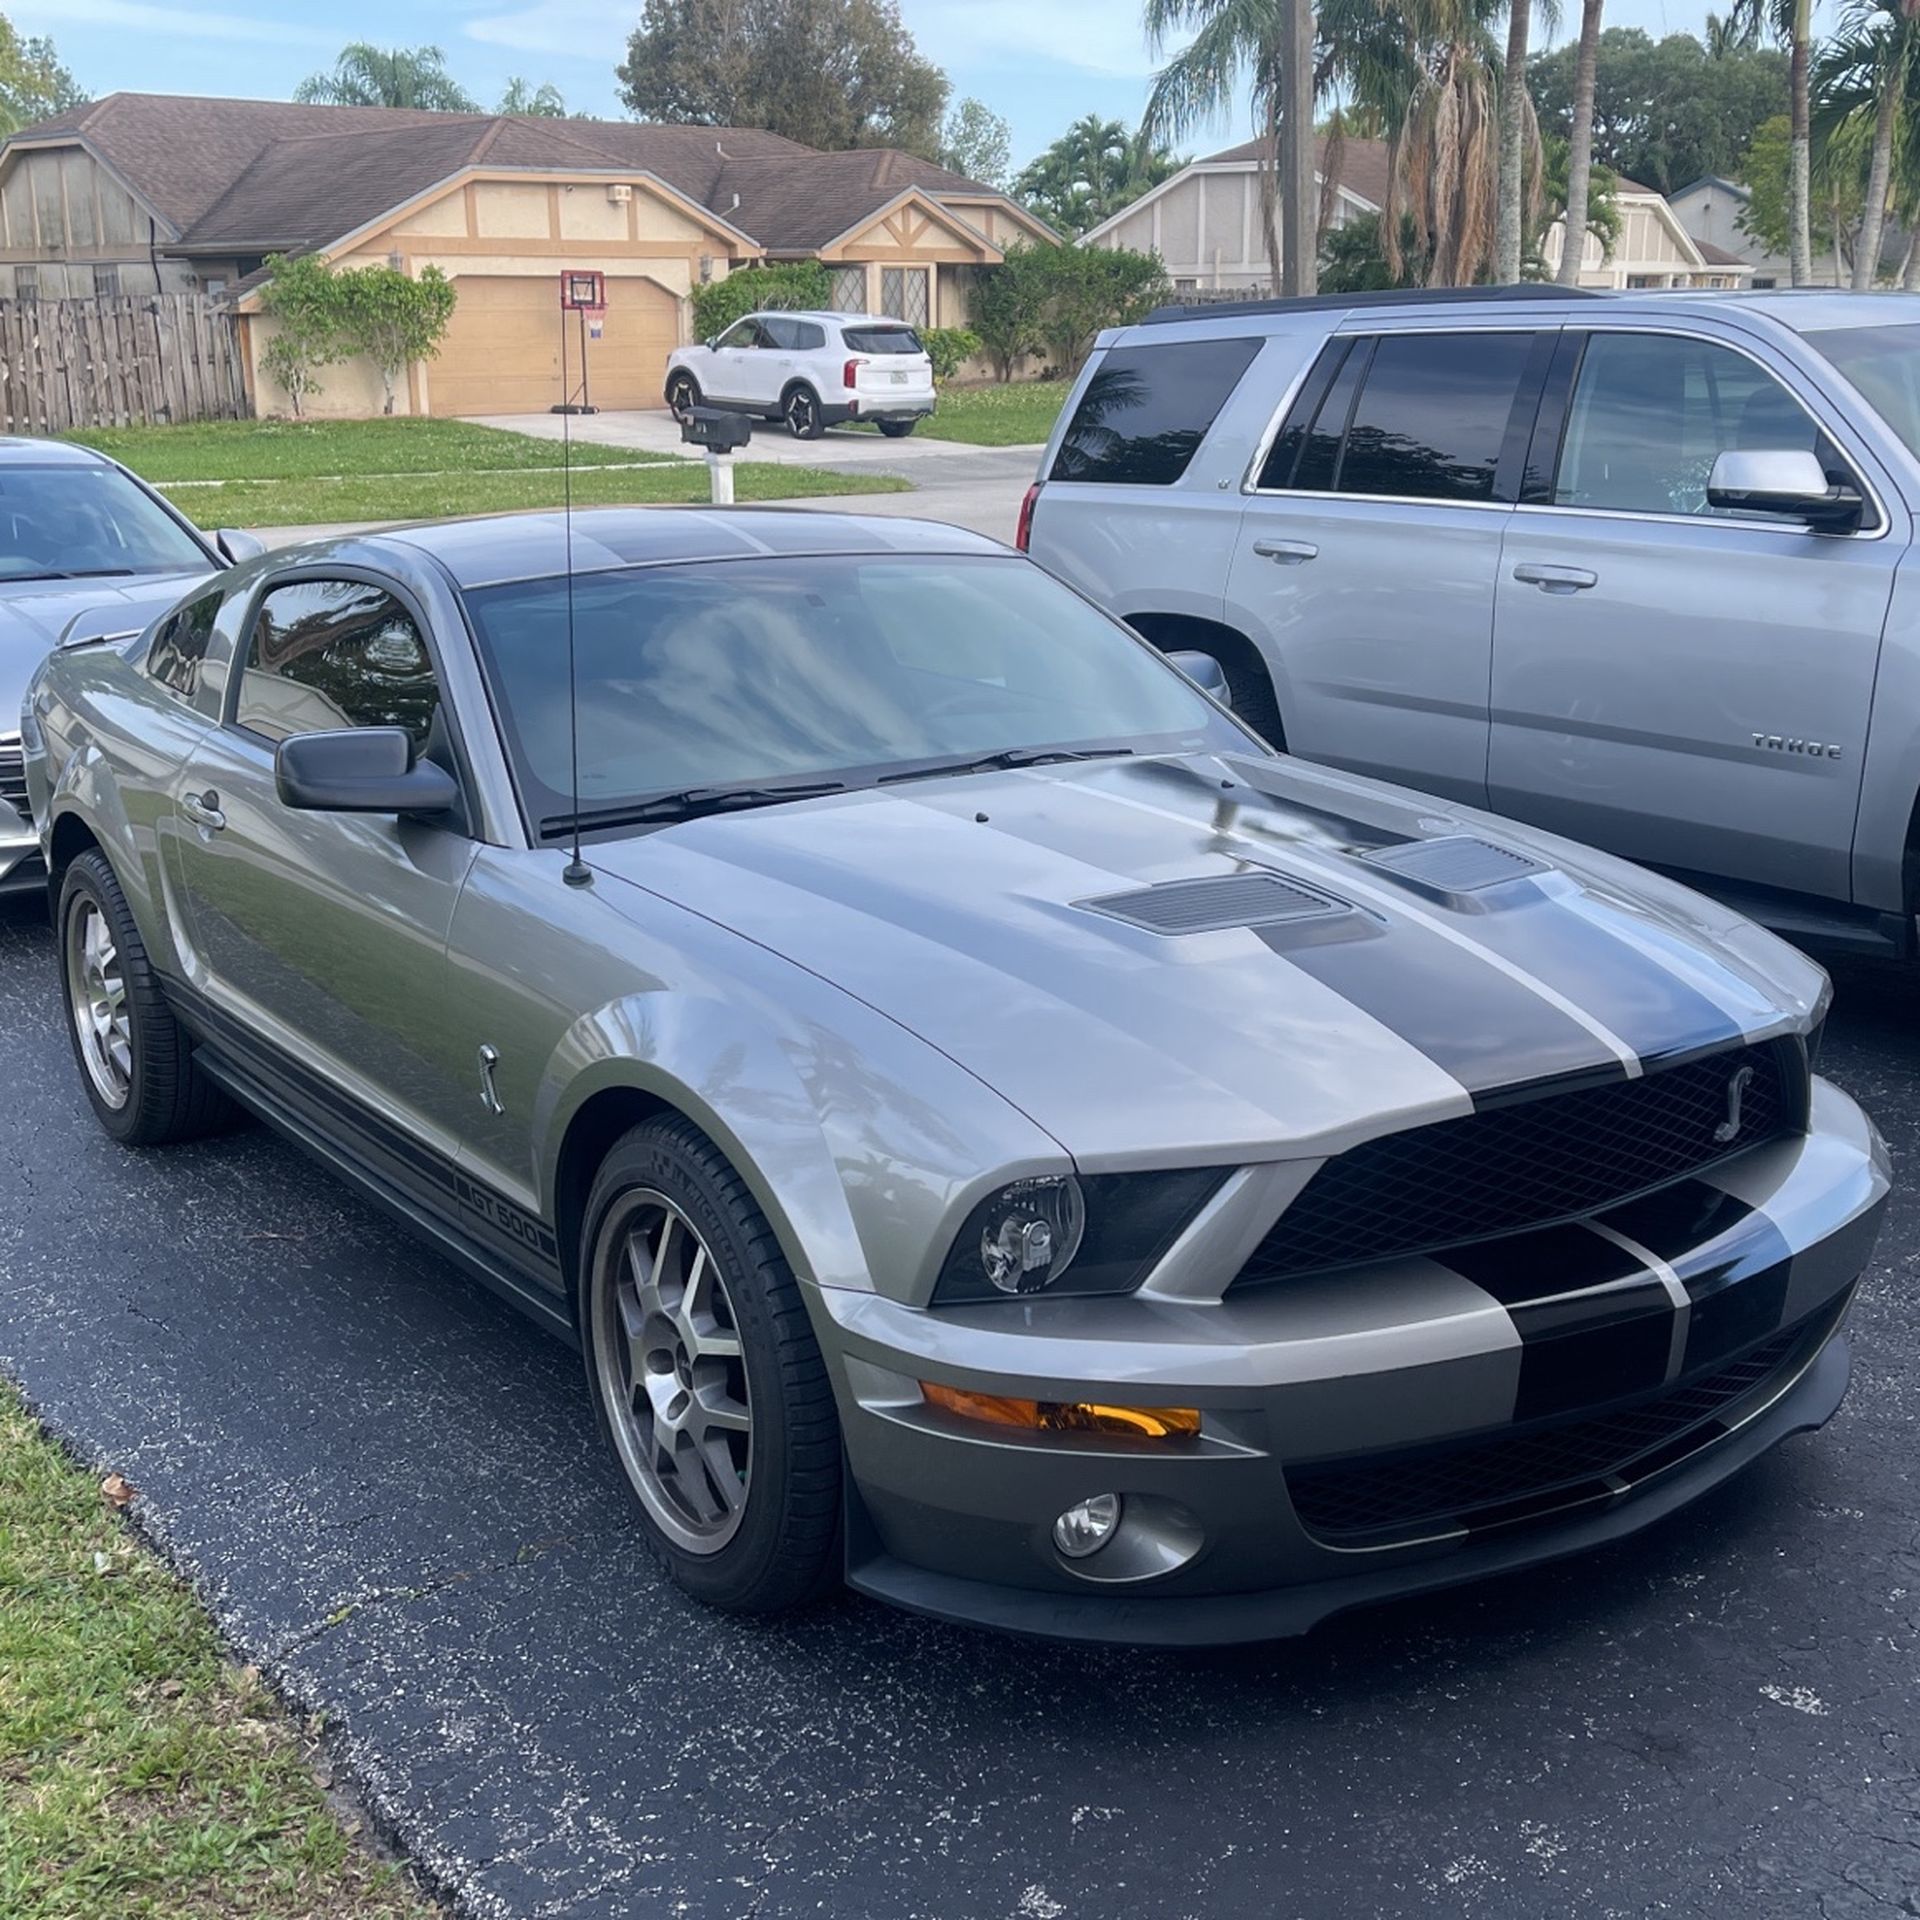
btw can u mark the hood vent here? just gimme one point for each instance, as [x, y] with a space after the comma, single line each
[1211, 905]
[1457, 863]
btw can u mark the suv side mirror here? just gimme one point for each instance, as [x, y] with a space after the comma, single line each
[237, 546]
[360, 770]
[1793, 484]
[1205, 672]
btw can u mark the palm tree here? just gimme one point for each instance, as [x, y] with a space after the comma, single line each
[1869, 73]
[1789, 23]
[1573, 237]
[370, 76]
[1516, 107]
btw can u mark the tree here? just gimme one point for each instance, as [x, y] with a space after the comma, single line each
[1009, 306]
[1866, 83]
[793, 286]
[1602, 216]
[370, 76]
[33, 83]
[1516, 116]
[978, 142]
[827, 73]
[544, 102]
[392, 318]
[304, 301]
[1579, 195]
[1093, 170]
[1088, 288]
[1765, 169]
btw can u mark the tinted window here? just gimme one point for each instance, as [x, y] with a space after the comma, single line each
[58, 521]
[749, 671]
[881, 340]
[1306, 453]
[807, 335]
[1432, 416]
[1146, 410]
[1884, 363]
[336, 653]
[745, 333]
[792, 336]
[1651, 412]
[180, 644]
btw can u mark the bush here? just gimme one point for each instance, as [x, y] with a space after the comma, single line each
[304, 298]
[948, 348]
[717, 305]
[393, 319]
[1057, 298]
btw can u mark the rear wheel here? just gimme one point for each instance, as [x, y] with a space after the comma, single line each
[705, 1375]
[136, 1063]
[683, 394]
[801, 411]
[895, 429]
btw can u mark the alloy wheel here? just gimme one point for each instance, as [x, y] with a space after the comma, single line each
[800, 412]
[671, 1372]
[97, 994]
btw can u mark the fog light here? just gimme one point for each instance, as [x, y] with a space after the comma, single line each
[1086, 1528]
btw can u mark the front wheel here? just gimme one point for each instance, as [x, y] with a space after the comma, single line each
[706, 1377]
[896, 429]
[683, 394]
[801, 411]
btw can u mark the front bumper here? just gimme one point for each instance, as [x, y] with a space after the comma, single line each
[1364, 1435]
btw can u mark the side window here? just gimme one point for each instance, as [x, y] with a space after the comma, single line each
[743, 333]
[1147, 409]
[336, 653]
[808, 335]
[1432, 415]
[179, 645]
[1651, 412]
[1306, 452]
[780, 332]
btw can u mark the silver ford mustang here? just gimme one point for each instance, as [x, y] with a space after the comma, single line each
[998, 1133]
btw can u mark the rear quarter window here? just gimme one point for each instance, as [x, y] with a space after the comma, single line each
[1147, 409]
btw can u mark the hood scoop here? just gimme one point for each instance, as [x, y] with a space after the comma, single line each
[1214, 904]
[1455, 863]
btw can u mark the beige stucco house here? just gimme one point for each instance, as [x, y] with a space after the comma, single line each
[139, 193]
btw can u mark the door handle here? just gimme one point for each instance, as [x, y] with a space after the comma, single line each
[1555, 579]
[203, 809]
[1289, 553]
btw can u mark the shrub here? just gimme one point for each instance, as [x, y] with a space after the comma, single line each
[393, 319]
[718, 304]
[1057, 298]
[304, 298]
[948, 348]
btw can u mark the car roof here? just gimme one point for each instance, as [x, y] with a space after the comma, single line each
[831, 313]
[18, 450]
[533, 546]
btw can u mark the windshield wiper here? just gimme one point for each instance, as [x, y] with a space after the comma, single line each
[690, 802]
[71, 573]
[1008, 759]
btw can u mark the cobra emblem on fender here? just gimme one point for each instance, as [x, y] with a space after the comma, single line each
[1729, 1128]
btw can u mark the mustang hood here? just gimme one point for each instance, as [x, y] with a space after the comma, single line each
[34, 615]
[1183, 959]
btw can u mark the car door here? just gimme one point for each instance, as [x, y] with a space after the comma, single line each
[315, 943]
[1367, 555]
[1681, 684]
[737, 369]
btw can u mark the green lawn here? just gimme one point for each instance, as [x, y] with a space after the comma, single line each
[142, 1775]
[278, 473]
[1020, 414]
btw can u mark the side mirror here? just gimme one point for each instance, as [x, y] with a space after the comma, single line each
[238, 546]
[1205, 672]
[360, 770]
[1792, 484]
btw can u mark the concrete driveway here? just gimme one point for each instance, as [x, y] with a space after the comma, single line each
[388, 1489]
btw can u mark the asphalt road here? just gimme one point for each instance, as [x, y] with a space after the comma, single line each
[388, 1491]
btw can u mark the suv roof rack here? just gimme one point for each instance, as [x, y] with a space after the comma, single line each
[1384, 297]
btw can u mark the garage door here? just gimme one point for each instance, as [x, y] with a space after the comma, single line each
[502, 350]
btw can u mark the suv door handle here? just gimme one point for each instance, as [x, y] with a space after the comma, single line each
[1555, 579]
[203, 809]
[1289, 553]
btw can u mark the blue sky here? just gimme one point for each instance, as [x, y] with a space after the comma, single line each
[1042, 63]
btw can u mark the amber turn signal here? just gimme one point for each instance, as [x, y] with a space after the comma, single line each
[1064, 1416]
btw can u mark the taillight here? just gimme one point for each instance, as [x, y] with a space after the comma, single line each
[849, 372]
[1023, 528]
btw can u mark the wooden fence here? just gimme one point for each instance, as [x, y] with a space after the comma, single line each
[117, 361]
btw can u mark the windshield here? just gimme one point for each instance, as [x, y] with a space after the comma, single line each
[58, 522]
[817, 668]
[1884, 363]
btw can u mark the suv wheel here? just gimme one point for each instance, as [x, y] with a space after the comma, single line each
[705, 1375]
[683, 394]
[801, 411]
[135, 1061]
[895, 429]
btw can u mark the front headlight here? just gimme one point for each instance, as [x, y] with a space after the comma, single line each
[1061, 1234]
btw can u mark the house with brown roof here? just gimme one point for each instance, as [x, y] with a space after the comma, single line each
[141, 193]
[1204, 222]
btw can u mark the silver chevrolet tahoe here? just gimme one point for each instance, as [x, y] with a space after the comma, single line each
[1637, 568]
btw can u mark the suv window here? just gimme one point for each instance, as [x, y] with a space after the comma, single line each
[1650, 412]
[881, 340]
[336, 653]
[744, 333]
[1147, 409]
[792, 336]
[179, 645]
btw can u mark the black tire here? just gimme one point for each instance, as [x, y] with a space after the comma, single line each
[800, 409]
[1252, 697]
[166, 1098]
[683, 393]
[896, 429]
[784, 1549]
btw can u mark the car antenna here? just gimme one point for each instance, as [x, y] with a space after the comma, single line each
[577, 872]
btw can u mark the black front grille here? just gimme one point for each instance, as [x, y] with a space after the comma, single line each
[1510, 1168]
[13, 777]
[1404, 1496]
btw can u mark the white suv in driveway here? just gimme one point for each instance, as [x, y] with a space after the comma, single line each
[812, 370]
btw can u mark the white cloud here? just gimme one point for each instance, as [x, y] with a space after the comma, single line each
[578, 29]
[194, 23]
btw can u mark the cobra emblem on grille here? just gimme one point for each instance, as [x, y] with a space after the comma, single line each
[1729, 1128]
